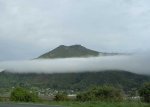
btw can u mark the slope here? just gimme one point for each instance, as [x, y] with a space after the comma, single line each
[75, 81]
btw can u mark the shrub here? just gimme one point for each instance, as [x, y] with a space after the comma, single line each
[61, 96]
[103, 93]
[144, 93]
[86, 96]
[22, 95]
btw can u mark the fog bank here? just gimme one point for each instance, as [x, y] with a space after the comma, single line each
[135, 63]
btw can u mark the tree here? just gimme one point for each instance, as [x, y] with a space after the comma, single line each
[61, 96]
[22, 95]
[101, 93]
[144, 92]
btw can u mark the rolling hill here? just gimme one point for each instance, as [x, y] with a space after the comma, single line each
[77, 81]
[63, 51]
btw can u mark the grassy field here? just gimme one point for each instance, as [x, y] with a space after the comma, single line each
[86, 104]
[89, 104]
[99, 104]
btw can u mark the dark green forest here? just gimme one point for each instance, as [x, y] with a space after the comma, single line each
[74, 81]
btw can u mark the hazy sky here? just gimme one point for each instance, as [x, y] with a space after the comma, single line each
[29, 28]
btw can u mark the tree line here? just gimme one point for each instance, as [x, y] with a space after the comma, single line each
[99, 93]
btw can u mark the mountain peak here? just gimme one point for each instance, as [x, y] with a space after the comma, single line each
[63, 51]
[72, 46]
[62, 46]
[77, 46]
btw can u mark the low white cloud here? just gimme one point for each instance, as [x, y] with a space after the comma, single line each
[133, 63]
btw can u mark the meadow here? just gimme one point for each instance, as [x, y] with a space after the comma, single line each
[99, 104]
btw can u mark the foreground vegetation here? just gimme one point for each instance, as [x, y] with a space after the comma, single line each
[98, 104]
[88, 104]
[144, 92]
[23, 95]
[101, 96]
[101, 93]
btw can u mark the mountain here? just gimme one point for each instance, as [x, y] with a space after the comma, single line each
[74, 81]
[63, 51]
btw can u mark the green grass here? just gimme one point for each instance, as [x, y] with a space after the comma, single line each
[99, 104]
[90, 104]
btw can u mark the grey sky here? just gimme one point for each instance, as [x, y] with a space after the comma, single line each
[29, 28]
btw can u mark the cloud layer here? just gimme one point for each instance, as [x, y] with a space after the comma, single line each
[136, 64]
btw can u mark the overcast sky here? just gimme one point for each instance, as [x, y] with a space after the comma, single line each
[29, 28]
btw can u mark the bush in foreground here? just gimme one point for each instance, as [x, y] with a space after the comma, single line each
[22, 95]
[101, 93]
[61, 97]
[145, 93]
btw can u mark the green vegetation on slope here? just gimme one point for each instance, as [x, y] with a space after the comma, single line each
[73, 81]
[69, 51]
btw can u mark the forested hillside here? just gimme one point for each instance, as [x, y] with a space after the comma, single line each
[76, 81]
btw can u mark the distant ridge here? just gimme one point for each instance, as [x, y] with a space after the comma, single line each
[63, 51]
[118, 78]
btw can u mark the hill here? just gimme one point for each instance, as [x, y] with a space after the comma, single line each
[63, 51]
[75, 81]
